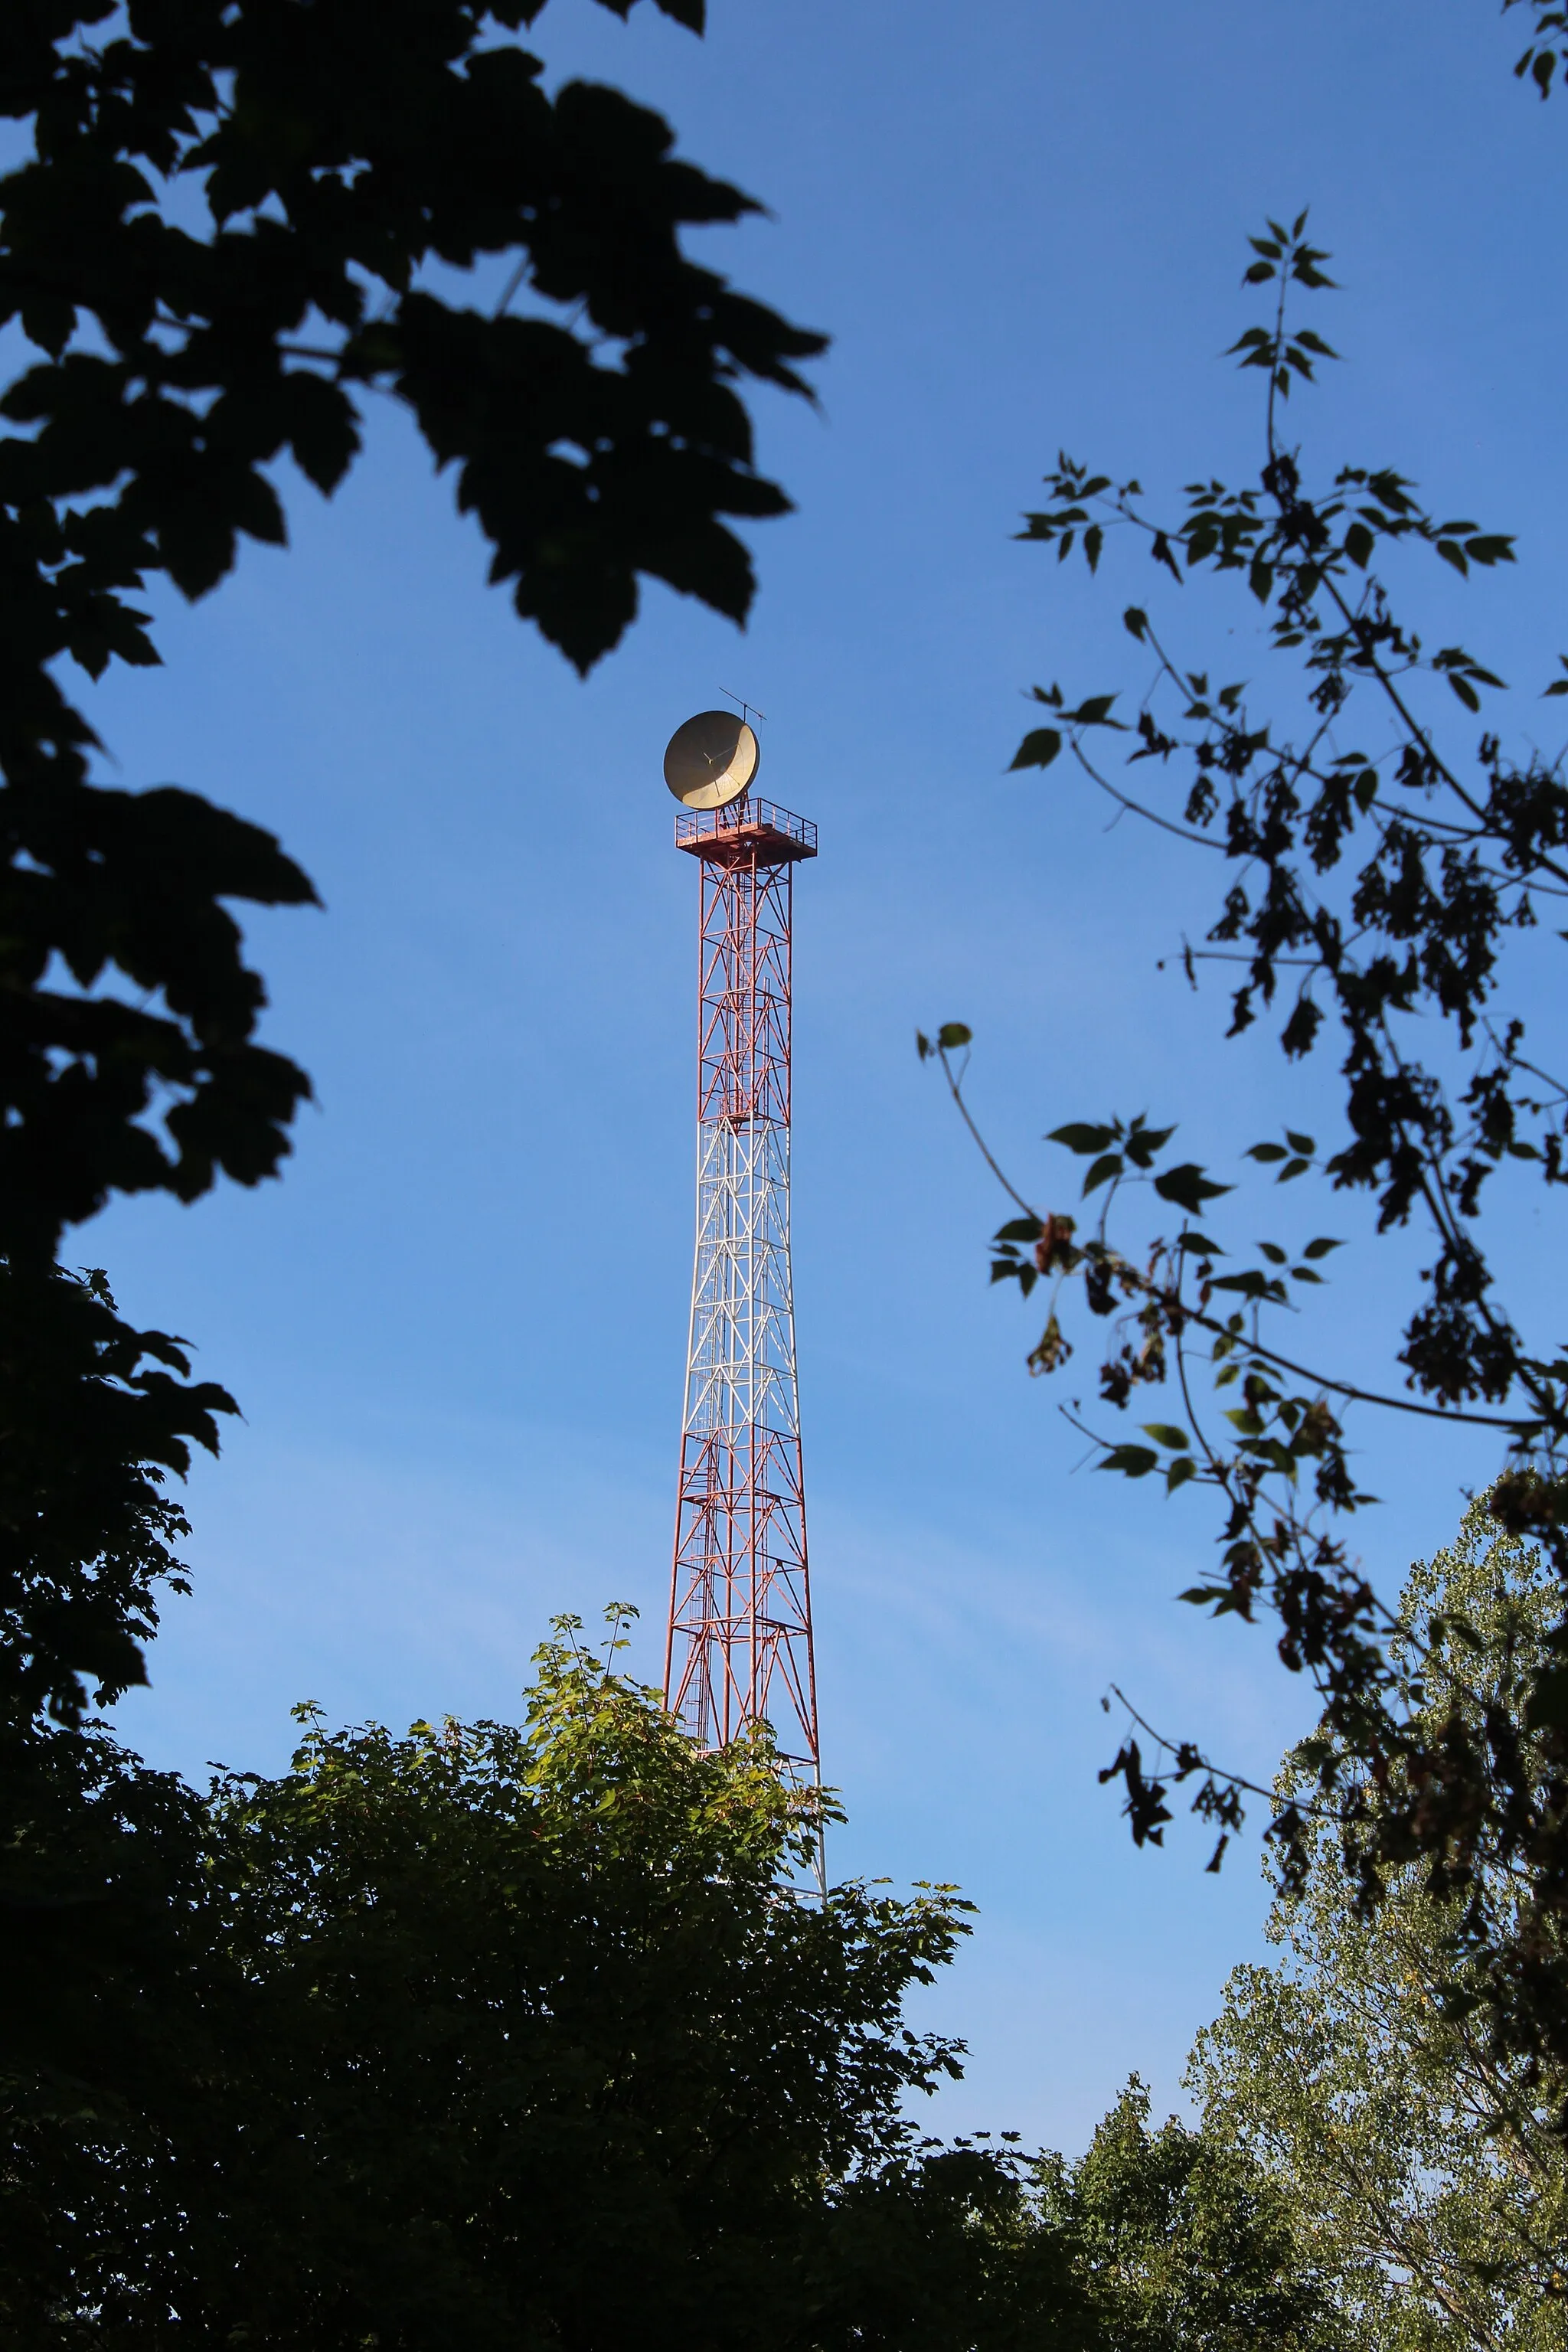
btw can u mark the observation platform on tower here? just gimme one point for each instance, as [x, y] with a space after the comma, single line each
[744, 830]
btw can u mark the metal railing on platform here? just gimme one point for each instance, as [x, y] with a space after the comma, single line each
[742, 817]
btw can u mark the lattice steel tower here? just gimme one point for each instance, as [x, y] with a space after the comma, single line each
[740, 1642]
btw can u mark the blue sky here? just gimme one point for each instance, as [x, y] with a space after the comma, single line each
[455, 1328]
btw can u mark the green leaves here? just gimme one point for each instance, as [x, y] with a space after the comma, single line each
[1369, 901]
[1546, 1709]
[1131, 1461]
[1252, 1285]
[446, 1978]
[1136, 1144]
[1343, 2059]
[1139, 1141]
[950, 1037]
[1284, 253]
[1080, 1136]
[1074, 488]
[354, 161]
[1188, 1187]
[1044, 745]
[1463, 674]
[184, 358]
[1483, 548]
[137, 882]
[1296, 1153]
[1038, 749]
[1095, 712]
[1540, 60]
[99, 1417]
[322, 426]
[1187, 2240]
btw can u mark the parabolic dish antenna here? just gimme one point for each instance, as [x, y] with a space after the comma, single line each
[711, 760]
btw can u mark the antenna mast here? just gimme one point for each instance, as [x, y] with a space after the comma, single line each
[739, 1641]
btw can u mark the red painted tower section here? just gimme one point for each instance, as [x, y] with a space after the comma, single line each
[739, 1641]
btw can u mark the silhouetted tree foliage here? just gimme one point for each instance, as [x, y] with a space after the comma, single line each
[488, 2036]
[1422, 2167]
[476, 2036]
[1377, 868]
[1546, 53]
[241, 221]
[96, 1416]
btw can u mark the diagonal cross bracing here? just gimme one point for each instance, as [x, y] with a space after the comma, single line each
[740, 1642]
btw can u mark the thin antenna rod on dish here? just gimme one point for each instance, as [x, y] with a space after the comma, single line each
[748, 710]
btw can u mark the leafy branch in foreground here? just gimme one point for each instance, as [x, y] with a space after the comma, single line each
[500, 2035]
[1422, 2168]
[241, 220]
[1435, 1758]
[95, 1418]
[412, 2032]
[232, 227]
[1547, 51]
[1370, 894]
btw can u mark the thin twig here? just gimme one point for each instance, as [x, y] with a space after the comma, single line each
[1218, 1772]
[1210, 1323]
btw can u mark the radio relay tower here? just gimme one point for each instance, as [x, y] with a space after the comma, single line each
[739, 1647]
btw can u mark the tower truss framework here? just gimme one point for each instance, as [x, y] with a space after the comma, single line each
[739, 1639]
